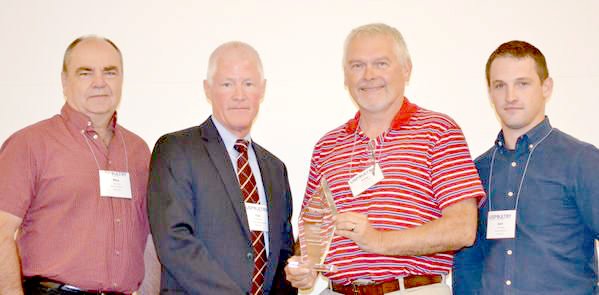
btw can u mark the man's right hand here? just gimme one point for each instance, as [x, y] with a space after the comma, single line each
[299, 275]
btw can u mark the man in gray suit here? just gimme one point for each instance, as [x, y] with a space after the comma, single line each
[220, 204]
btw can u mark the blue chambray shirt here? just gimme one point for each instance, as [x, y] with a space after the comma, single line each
[557, 219]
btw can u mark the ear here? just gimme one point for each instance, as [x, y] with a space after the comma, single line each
[547, 88]
[63, 80]
[263, 90]
[407, 70]
[207, 86]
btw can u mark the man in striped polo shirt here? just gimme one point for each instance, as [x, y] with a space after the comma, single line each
[401, 176]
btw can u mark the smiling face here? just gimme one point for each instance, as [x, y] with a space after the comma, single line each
[518, 94]
[374, 75]
[235, 89]
[93, 80]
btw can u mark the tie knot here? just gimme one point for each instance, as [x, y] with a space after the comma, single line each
[241, 145]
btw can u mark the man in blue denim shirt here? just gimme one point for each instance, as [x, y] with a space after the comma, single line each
[538, 225]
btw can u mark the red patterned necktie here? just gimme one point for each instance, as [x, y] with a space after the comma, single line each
[250, 195]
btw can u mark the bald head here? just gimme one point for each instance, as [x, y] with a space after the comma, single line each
[67, 53]
[233, 50]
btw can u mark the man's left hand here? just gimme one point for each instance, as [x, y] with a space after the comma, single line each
[355, 226]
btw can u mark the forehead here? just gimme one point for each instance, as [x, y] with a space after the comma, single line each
[509, 67]
[236, 65]
[93, 53]
[371, 46]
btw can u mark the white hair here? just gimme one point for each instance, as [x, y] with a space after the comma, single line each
[380, 29]
[238, 45]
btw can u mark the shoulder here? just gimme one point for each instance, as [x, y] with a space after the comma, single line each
[571, 147]
[132, 139]
[265, 154]
[483, 161]
[569, 142]
[332, 137]
[425, 118]
[35, 133]
[184, 136]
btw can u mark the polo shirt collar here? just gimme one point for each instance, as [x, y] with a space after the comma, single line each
[401, 118]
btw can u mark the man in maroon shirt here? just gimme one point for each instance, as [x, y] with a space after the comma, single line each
[73, 188]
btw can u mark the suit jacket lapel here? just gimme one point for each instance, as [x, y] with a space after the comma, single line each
[222, 162]
[268, 182]
[274, 210]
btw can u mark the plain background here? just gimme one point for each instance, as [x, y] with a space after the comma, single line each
[166, 45]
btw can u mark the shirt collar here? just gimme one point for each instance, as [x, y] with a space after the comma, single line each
[81, 121]
[532, 137]
[229, 138]
[402, 117]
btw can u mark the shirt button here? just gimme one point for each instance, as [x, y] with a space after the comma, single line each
[510, 194]
[509, 252]
[118, 253]
[530, 146]
[82, 131]
[508, 282]
[250, 256]
[514, 164]
[96, 137]
[89, 123]
[114, 284]
[118, 220]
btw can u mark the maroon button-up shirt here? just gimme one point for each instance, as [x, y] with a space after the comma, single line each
[49, 177]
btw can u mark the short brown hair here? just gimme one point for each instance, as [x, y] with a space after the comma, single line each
[519, 49]
[67, 52]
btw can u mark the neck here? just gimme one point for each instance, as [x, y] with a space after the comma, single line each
[374, 124]
[510, 139]
[101, 126]
[511, 135]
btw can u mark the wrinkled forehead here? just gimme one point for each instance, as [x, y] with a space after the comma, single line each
[93, 53]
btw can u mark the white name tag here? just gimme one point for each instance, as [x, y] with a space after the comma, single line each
[114, 184]
[501, 224]
[257, 217]
[365, 179]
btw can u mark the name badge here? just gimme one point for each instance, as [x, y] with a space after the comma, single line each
[501, 224]
[114, 184]
[257, 217]
[366, 179]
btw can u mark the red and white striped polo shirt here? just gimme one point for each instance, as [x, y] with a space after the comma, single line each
[427, 167]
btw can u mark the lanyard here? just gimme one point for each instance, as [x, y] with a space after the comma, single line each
[523, 173]
[96, 159]
[371, 149]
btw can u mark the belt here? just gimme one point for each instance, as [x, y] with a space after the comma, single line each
[37, 283]
[379, 288]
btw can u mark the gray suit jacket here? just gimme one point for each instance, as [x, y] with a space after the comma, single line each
[198, 219]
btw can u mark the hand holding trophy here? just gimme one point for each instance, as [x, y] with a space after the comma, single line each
[316, 228]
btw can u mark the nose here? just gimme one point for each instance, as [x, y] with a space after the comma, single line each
[511, 96]
[99, 80]
[368, 72]
[239, 93]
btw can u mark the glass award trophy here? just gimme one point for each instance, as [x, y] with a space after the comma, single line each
[316, 228]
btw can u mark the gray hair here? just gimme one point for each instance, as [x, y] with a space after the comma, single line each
[216, 55]
[380, 29]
